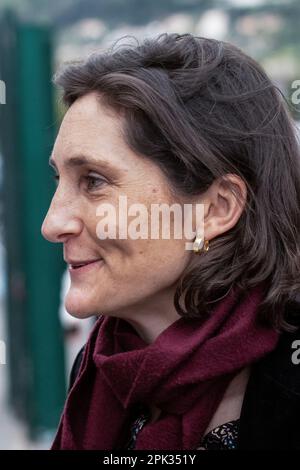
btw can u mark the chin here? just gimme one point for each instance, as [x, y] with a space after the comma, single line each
[79, 307]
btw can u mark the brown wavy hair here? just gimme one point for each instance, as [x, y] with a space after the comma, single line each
[201, 108]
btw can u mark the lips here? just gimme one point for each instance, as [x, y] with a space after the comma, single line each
[80, 264]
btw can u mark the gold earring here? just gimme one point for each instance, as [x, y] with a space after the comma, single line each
[200, 245]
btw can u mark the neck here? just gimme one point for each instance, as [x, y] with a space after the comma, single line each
[150, 328]
[152, 318]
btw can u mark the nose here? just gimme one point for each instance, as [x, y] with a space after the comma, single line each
[61, 221]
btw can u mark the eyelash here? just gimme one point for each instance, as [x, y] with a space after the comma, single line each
[88, 179]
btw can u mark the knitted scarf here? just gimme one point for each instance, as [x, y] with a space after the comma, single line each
[184, 372]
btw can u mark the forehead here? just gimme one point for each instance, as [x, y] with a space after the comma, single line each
[90, 128]
[89, 122]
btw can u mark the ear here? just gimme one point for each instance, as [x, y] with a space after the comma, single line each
[224, 203]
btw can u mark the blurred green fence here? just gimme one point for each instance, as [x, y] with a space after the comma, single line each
[34, 267]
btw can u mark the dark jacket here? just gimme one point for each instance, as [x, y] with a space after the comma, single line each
[270, 416]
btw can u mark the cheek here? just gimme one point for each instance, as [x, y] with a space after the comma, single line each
[128, 261]
[156, 263]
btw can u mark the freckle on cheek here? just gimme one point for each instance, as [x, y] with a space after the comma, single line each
[154, 190]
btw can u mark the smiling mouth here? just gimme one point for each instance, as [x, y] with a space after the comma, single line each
[83, 264]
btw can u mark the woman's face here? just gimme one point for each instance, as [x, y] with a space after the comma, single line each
[96, 167]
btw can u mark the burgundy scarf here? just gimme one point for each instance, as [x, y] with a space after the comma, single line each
[184, 372]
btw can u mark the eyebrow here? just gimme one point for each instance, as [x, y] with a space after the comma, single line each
[80, 160]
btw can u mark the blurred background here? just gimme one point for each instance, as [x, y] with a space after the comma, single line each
[38, 339]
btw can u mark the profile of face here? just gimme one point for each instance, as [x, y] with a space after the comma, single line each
[94, 167]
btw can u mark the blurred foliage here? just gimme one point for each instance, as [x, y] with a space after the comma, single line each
[287, 35]
[63, 13]
[113, 12]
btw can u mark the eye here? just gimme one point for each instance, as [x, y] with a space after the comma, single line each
[94, 181]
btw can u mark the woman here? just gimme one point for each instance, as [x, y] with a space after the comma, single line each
[193, 348]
